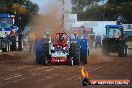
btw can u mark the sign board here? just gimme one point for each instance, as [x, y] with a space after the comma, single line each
[89, 30]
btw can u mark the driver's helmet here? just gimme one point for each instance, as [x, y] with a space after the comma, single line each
[61, 38]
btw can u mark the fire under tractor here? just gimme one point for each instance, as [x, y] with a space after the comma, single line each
[9, 40]
[62, 50]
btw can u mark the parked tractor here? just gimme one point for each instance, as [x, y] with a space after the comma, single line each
[61, 50]
[114, 42]
[9, 40]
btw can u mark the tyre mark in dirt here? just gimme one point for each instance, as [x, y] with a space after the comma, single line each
[36, 69]
[105, 68]
[28, 77]
[100, 71]
[19, 68]
[16, 76]
[31, 75]
[95, 72]
[72, 77]
[21, 71]
[89, 68]
[7, 80]
[9, 76]
[96, 68]
[48, 70]
[36, 76]
[23, 67]
[64, 79]
[49, 77]
[19, 80]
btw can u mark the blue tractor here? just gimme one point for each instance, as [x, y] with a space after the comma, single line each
[61, 50]
[8, 33]
[114, 42]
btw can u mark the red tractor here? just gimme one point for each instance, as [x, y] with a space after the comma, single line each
[54, 51]
[61, 50]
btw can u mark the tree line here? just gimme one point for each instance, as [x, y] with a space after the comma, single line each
[103, 10]
[22, 9]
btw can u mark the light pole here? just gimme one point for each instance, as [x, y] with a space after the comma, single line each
[63, 15]
[62, 18]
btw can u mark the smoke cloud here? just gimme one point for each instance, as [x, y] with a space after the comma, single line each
[50, 20]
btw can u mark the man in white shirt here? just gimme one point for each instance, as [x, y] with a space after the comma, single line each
[3, 33]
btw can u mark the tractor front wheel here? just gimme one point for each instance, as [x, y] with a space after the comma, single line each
[45, 54]
[44, 61]
[75, 53]
[122, 49]
[71, 62]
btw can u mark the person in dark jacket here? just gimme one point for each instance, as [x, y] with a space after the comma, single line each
[98, 41]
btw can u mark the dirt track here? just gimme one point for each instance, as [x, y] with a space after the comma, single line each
[24, 73]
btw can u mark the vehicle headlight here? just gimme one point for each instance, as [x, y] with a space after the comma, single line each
[53, 48]
[64, 48]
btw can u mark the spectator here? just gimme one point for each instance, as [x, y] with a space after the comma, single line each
[13, 33]
[3, 33]
[98, 41]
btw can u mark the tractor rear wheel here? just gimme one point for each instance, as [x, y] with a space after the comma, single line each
[44, 61]
[71, 63]
[125, 54]
[84, 55]
[45, 54]
[75, 53]
[38, 60]
[84, 59]
[122, 49]
[4, 50]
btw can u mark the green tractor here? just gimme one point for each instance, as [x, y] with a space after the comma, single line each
[114, 41]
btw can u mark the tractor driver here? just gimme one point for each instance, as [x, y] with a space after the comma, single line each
[115, 34]
[61, 38]
[62, 41]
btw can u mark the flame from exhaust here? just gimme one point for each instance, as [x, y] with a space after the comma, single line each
[84, 73]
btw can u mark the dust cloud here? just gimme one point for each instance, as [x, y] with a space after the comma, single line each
[50, 21]
[96, 56]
